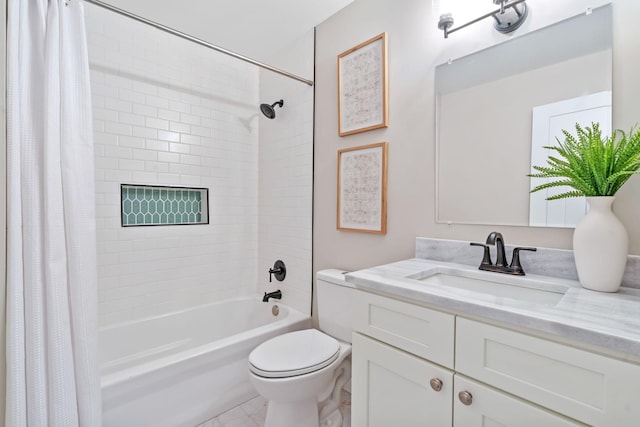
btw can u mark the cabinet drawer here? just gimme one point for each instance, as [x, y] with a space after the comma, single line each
[489, 407]
[593, 389]
[393, 388]
[418, 330]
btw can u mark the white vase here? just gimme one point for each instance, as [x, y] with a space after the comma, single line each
[600, 247]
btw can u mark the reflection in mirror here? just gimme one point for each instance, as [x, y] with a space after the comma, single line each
[491, 107]
[548, 121]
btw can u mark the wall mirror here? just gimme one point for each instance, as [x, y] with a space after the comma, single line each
[497, 108]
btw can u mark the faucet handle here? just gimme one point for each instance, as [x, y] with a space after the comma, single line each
[279, 270]
[515, 260]
[486, 258]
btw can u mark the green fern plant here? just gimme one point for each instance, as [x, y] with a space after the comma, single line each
[590, 164]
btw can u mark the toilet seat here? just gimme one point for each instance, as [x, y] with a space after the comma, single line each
[294, 353]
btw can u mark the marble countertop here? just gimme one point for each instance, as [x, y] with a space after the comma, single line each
[607, 320]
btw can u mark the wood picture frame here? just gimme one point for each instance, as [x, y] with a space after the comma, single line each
[362, 87]
[362, 189]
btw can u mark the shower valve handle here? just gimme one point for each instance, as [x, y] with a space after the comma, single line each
[273, 271]
[279, 271]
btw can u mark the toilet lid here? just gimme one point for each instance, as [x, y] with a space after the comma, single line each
[294, 353]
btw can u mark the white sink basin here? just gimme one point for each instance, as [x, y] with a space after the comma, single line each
[502, 286]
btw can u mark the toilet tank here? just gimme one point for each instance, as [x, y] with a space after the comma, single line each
[335, 298]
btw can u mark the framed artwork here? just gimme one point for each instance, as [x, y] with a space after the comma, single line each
[362, 189]
[362, 87]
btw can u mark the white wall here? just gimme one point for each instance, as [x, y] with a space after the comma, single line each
[170, 112]
[416, 46]
[492, 138]
[286, 176]
[3, 202]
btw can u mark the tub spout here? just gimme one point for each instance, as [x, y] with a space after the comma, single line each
[276, 294]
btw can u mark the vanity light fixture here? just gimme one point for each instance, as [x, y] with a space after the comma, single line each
[508, 18]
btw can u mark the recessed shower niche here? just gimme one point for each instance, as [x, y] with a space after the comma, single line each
[157, 205]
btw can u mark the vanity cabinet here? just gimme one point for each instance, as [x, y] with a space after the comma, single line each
[415, 366]
[484, 406]
[589, 387]
[393, 388]
[426, 333]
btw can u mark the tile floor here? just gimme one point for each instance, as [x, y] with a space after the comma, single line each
[253, 412]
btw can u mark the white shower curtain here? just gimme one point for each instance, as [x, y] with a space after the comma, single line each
[52, 371]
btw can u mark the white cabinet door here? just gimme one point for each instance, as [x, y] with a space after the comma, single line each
[418, 330]
[393, 388]
[486, 407]
[585, 386]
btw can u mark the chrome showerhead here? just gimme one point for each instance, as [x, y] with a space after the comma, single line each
[269, 110]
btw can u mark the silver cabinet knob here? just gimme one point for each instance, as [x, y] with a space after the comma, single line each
[436, 384]
[465, 397]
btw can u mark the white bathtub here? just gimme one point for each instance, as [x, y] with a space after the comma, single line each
[183, 368]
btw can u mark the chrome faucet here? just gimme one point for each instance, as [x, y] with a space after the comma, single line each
[515, 268]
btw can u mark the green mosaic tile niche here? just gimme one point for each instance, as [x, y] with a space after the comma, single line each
[153, 205]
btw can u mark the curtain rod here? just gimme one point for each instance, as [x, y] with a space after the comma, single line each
[196, 40]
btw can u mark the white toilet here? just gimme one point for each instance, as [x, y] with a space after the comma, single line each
[301, 373]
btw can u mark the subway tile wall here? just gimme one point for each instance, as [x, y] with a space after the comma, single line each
[169, 112]
[286, 176]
